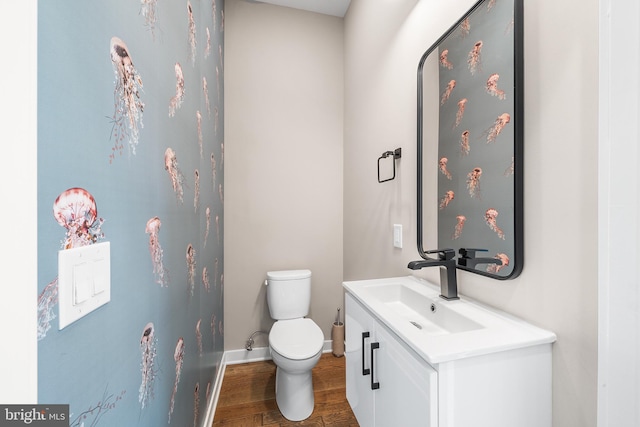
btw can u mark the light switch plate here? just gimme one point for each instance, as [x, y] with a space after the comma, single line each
[84, 281]
[397, 235]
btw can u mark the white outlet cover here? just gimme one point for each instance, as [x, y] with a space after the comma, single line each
[397, 235]
[84, 281]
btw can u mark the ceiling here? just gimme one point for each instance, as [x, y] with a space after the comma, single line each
[327, 7]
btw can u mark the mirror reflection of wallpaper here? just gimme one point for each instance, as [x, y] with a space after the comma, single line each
[475, 152]
[131, 151]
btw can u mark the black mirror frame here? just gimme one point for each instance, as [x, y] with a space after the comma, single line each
[518, 143]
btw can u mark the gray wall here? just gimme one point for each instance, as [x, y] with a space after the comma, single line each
[283, 158]
[383, 43]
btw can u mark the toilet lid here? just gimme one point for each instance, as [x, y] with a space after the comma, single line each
[296, 338]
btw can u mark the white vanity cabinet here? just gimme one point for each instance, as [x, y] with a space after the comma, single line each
[387, 383]
[413, 359]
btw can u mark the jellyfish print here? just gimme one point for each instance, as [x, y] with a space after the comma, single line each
[148, 9]
[220, 193]
[196, 196]
[75, 209]
[208, 392]
[199, 127]
[446, 199]
[148, 364]
[176, 175]
[214, 13]
[218, 227]
[159, 271]
[207, 225]
[216, 119]
[495, 268]
[509, 28]
[176, 101]
[205, 90]
[47, 299]
[213, 169]
[492, 86]
[215, 272]
[127, 117]
[494, 131]
[447, 92]
[474, 59]
[205, 279]
[490, 218]
[490, 4]
[473, 182]
[196, 404]
[178, 357]
[191, 267]
[460, 220]
[460, 113]
[444, 60]
[192, 33]
[207, 49]
[213, 324]
[218, 82]
[442, 166]
[511, 169]
[464, 143]
[199, 337]
[465, 28]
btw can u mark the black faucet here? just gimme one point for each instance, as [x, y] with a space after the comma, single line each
[447, 264]
[468, 258]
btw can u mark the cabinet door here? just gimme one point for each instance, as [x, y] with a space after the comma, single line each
[358, 335]
[407, 394]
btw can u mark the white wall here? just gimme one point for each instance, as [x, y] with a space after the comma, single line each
[283, 160]
[18, 218]
[619, 216]
[558, 286]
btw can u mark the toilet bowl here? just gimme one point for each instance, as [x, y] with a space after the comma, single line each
[295, 347]
[295, 342]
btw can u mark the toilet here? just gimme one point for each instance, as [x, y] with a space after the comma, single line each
[295, 342]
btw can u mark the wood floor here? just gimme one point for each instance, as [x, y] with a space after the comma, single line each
[247, 396]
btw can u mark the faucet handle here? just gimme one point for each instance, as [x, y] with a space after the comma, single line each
[470, 252]
[443, 254]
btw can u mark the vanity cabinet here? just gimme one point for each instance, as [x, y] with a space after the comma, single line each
[388, 384]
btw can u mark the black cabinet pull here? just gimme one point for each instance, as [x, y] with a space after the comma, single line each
[374, 385]
[364, 335]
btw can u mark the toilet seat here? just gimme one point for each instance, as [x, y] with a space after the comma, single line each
[296, 339]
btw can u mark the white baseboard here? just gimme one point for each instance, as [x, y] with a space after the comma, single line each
[234, 357]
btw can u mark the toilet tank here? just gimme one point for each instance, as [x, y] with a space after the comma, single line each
[288, 293]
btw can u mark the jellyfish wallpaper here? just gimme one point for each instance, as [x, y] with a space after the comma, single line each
[476, 122]
[144, 358]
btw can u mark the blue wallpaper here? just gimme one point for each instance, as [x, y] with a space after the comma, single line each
[131, 151]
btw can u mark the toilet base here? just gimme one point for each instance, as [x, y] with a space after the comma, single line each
[294, 394]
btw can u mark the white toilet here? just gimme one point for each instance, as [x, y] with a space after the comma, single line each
[295, 343]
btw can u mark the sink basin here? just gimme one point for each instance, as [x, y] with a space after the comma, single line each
[428, 314]
[441, 330]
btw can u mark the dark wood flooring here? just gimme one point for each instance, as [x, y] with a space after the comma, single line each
[247, 396]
